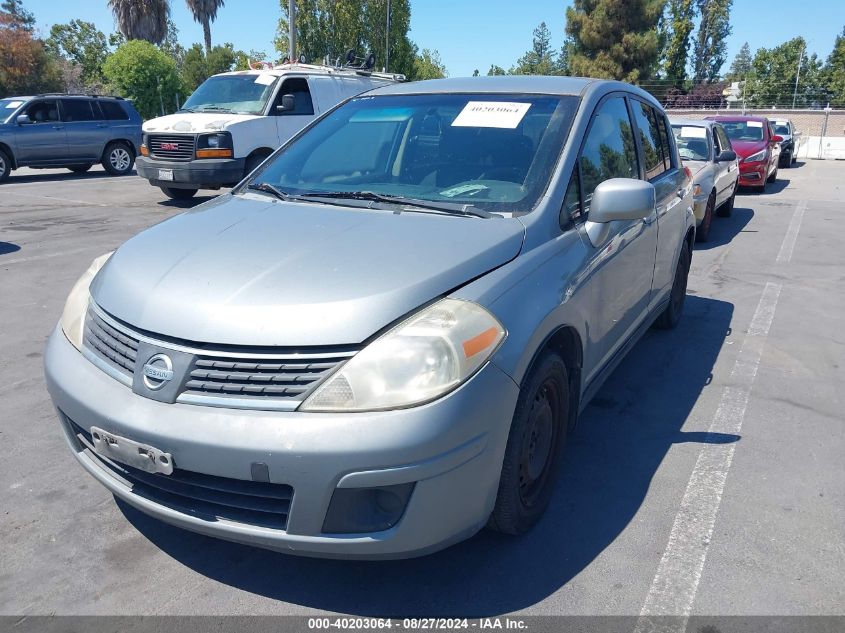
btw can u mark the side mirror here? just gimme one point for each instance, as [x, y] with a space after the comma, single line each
[287, 105]
[777, 139]
[726, 156]
[23, 119]
[618, 199]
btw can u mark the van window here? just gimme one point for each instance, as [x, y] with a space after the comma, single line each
[242, 94]
[649, 139]
[74, 110]
[113, 111]
[298, 87]
[609, 150]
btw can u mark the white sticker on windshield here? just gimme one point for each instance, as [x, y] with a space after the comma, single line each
[499, 114]
[754, 123]
[14, 104]
[688, 131]
[265, 79]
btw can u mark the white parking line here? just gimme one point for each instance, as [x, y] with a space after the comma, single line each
[785, 254]
[32, 258]
[676, 582]
[32, 195]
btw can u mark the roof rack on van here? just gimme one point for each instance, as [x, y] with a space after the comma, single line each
[77, 94]
[354, 65]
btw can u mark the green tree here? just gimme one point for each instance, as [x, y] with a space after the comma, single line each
[243, 58]
[741, 65]
[677, 28]
[16, 16]
[205, 12]
[428, 65]
[140, 71]
[25, 65]
[542, 59]
[402, 50]
[141, 19]
[170, 45]
[199, 66]
[710, 51]
[772, 81]
[614, 39]
[834, 72]
[83, 45]
[496, 70]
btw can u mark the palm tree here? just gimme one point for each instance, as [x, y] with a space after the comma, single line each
[205, 12]
[141, 19]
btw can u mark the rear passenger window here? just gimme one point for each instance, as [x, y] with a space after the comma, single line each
[113, 111]
[609, 150]
[76, 110]
[649, 139]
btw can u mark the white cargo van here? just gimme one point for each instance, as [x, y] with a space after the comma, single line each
[234, 120]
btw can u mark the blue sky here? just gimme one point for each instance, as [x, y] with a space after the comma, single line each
[473, 34]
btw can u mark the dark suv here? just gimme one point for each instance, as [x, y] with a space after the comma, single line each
[73, 131]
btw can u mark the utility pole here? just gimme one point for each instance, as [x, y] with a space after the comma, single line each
[292, 30]
[797, 75]
[387, 39]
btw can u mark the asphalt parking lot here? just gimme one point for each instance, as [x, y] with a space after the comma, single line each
[707, 475]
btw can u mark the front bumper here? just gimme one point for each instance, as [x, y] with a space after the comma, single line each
[753, 174]
[206, 173]
[452, 449]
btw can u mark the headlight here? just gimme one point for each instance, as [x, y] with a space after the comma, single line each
[421, 359]
[73, 316]
[696, 190]
[756, 158]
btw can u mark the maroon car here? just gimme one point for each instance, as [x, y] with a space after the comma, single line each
[756, 146]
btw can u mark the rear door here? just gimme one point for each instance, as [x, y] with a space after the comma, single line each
[86, 130]
[726, 171]
[42, 141]
[622, 263]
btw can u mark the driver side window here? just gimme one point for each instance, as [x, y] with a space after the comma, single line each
[298, 87]
[43, 112]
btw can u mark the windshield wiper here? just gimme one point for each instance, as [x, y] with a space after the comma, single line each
[186, 110]
[446, 207]
[266, 187]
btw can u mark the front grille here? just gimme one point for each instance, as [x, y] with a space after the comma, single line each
[118, 349]
[171, 146]
[206, 497]
[269, 378]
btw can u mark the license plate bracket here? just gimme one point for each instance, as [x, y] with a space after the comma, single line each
[165, 174]
[121, 449]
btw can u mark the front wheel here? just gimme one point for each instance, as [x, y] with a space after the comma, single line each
[703, 233]
[179, 194]
[5, 165]
[118, 159]
[728, 205]
[671, 316]
[774, 176]
[537, 435]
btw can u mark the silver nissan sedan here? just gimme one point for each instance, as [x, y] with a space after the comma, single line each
[377, 343]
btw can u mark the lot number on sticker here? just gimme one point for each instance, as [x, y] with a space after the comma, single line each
[693, 132]
[501, 114]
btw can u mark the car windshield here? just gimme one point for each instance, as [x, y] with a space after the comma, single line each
[783, 130]
[494, 152]
[244, 94]
[692, 141]
[8, 107]
[744, 130]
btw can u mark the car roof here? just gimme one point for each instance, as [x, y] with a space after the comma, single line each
[738, 118]
[692, 122]
[530, 84]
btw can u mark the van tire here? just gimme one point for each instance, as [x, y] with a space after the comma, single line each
[254, 161]
[178, 194]
[671, 315]
[538, 432]
[118, 158]
[5, 165]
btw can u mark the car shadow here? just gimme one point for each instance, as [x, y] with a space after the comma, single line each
[8, 247]
[610, 460]
[723, 230]
[50, 176]
[190, 203]
[777, 186]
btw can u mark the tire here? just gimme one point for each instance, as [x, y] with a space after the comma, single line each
[80, 169]
[671, 316]
[118, 159]
[179, 194]
[703, 232]
[728, 205]
[537, 436]
[252, 162]
[5, 165]
[773, 177]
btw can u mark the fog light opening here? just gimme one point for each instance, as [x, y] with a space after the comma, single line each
[364, 510]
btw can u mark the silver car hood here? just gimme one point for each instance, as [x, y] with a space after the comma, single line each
[695, 166]
[250, 271]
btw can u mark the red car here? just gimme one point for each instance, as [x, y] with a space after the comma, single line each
[756, 145]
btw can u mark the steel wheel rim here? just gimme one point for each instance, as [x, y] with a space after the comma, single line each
[119, 159]
[538, 443]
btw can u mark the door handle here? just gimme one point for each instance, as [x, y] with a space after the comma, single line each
[102, 124]
[58, 127]
[680, 193]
